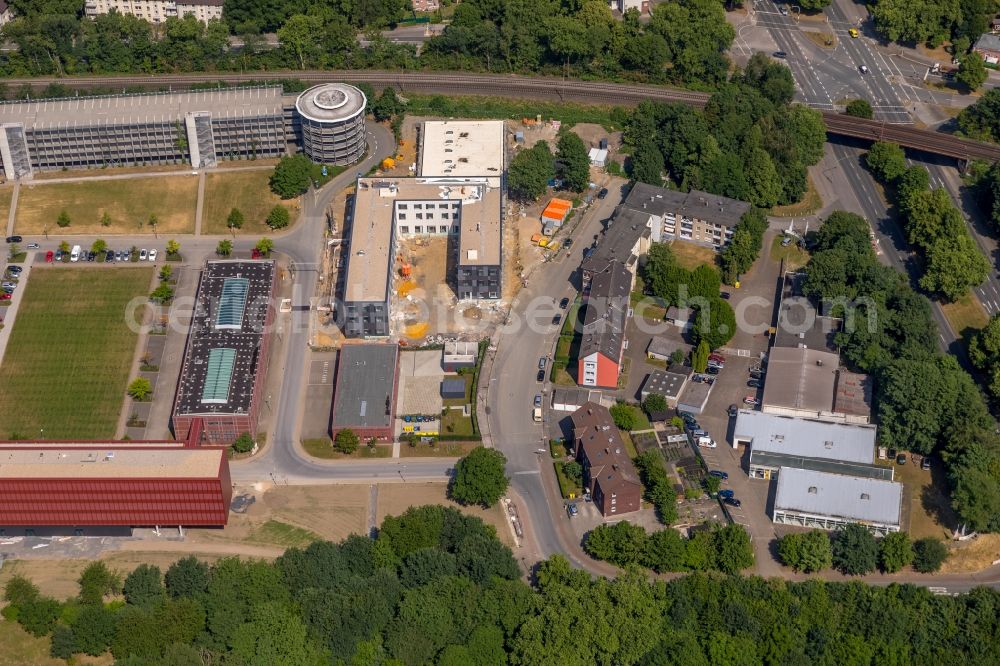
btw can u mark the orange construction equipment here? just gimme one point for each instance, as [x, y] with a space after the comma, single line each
[536, 237]
[406, 270]
[388, 163]
[557, 210]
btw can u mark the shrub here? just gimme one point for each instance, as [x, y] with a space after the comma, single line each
[244, 443]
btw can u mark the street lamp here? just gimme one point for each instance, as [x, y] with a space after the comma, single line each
[401, 473]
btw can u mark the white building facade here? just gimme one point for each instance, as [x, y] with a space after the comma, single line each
[157, 11]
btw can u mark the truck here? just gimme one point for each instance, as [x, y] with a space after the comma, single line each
[536, 414]
[74, 254]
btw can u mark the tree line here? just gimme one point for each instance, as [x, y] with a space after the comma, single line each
[750, 143]
[854, 551]
[925, 402]
[437, 587]
[952, 263]
[683, 42]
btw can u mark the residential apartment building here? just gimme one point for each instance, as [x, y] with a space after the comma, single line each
[157, 11]
[603, 342]
[6, 14]
[608, 471]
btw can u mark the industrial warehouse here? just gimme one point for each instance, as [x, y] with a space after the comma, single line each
[225, 362]
[460, 196]
[200, 128]
[104, 488]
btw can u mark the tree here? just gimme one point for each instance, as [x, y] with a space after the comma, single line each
[244, 443]
[929, 554]
[773, 80]
[165, 272]
[972, 71]
[479, 478]
[982, 119]
[97, 581]
[573, 471]
[105, 219]
[855, 551]
[63, 219]
[715, 323]
[93, 630]
[153, 221]
[39, 615]
[677, 357]
[275, 634]
[813, 5]
[387, 105]
[624, 416]
[620, 544]
[705, 282]
[655, 404]
[264, 246]
[292, 176]
[300, 35]
[278, 218]
[574, 162]
[886, 160]
[235, 219]
[19, 591]
[530, 171]
[895, 551]
[665, 551]
[186, 578]
[954, 266]
[976, 498]
[162, 294]
[699, 359]
[224, 248]
[646, 163]
[733, 550]
[144, 586]
[140, 389]
[806, 551]
[346, 441]
[173, 248]
[63, 642]
[859, 108]
[914, 21]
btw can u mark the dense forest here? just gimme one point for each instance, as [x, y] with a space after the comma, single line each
[925, 401]
[683, 42]
[436, 587]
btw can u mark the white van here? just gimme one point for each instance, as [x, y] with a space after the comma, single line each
[74, 254]
[536, 415]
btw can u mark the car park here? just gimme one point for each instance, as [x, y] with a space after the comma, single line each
[152, 254]
[719, 474]
[33, 246]
[540, 377]
[732, 501]
[142, 254]
[14, 239]
[563, 304]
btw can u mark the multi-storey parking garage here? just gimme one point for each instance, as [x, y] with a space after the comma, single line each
[332, 119]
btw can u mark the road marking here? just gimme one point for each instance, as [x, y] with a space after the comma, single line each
[527, 472]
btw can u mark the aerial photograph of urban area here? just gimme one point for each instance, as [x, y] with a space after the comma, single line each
[500, 332]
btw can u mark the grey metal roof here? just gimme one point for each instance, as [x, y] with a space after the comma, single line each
[806, 437]
[779, 460]
[988, 42]
[660, 346]
[606, 313]
[847, 497]
[365, 391]
[331, 102]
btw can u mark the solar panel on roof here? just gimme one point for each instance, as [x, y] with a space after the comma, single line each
[218, 375]
[232, 303]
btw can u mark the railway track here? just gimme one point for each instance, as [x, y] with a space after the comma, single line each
[546, 88]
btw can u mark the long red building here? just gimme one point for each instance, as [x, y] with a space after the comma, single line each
[110, 487]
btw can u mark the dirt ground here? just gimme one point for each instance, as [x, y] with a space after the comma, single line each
[395, 498]
[973, 555]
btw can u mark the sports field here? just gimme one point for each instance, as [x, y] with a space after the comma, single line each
[249, 191]
[128, 202]
[67, 362]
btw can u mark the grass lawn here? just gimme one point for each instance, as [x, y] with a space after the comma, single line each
[247, 190]
[20, 647]
[795, 257]
[925, 500]
[629, 444]
[966, 315]
[566, 487]
[439, 450]
[68, 359]
[6, 194]
[172, 199]
[807, 205]
[322, 447]
[691, 256]
[454, 423]
[283, 534]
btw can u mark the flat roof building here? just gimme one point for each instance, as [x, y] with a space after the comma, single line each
[807, 498]
[109, 487]
[694, 397]
[225, 361]
[608, 470]
[668, 383]
[364, 397]
[804, 382]
[462, 148]
[459, 354]
[800, 323]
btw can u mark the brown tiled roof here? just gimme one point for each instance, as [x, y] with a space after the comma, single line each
[602, 447]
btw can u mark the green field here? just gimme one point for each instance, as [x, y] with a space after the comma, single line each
[247, 190]
[68, 359]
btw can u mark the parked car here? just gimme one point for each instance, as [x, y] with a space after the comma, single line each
[563, 304]
[786, 241]
[572, 510]
[4, 296]
[14, 239]
[707, 442]
[725, 295]
[733, 410]
[698, 433]
[603, 193]
[754, 383]
[757, 374]
[9, 285]
[49, 256]
[15, 269]
[901, 458]
[152, 254]
[713, 369]
[568, 243]
[732, 501]
[726, 494]
[719, 474]
[556, 319]
[751, 400]
[538, 400]
[59, 255]
[541, 363]
[540, 377]
[91, 256]
[925, 464]
[587, 497]
[33, 246]
[109, 256]
[142, 254]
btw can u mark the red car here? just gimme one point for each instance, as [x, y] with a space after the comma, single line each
[4, 296]
[49, 256]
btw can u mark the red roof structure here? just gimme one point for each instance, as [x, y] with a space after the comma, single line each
[120, 484]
